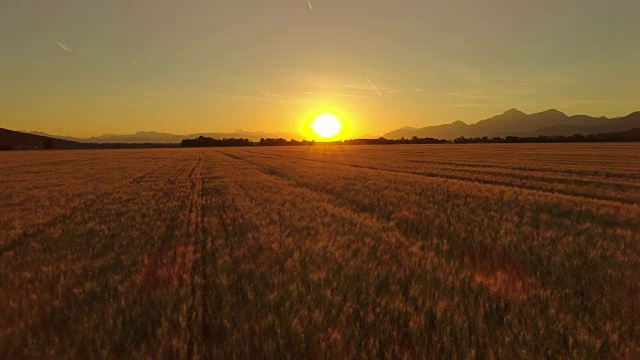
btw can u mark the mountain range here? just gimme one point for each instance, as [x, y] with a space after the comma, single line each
[511, 123]
[516, 123]
[153, 137]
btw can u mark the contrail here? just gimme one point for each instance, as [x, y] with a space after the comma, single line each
[63, 46]
[310, 6]
[374, 88]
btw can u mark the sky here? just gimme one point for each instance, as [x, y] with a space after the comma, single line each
[88, 67]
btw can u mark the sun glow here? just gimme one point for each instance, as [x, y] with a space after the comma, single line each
[326, 125]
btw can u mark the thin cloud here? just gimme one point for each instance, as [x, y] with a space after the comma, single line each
[63, 46]
[582, 102]
[343, 87]
[467, 74]
[359, 90]
[262, 96]
[146, 103]
[472, 105]
[271, 94]
[472, 96]
[592, 101]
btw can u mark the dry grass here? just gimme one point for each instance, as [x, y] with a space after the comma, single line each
[396, 251]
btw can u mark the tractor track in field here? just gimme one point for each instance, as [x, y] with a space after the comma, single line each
[204, 298]
[198, 311]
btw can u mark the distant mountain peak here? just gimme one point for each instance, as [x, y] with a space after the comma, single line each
[459, 122]
[513, 112]
[551, 112]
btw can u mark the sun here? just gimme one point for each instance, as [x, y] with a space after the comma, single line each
[326, 125]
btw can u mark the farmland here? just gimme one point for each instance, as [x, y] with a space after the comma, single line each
[510, 251]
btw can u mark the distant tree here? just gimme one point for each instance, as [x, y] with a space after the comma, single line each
[47, 143]
[210, 142]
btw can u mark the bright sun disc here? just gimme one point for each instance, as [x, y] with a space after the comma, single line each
[326, 125]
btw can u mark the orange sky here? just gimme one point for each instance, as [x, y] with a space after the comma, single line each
[90, 67]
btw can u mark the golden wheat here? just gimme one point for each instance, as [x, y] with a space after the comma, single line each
[325, 251]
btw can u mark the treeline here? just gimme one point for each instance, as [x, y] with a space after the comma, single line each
[233, 142]
[545, 139]
[383, 141]
[210, 142]
[203, 141]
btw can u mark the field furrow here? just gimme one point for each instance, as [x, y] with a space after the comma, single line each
[620, 191]
[322, 252]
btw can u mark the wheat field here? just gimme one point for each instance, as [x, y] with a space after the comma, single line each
[418, 251]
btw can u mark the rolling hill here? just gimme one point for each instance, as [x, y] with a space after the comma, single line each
[19, 140]
[10, 139]
[144, 137]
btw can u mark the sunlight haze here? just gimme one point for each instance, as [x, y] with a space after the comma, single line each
[89, 67]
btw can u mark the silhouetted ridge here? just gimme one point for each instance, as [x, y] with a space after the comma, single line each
[10, 139]
[513, 112]
[550, 112]
[514, 122]
[17, 140]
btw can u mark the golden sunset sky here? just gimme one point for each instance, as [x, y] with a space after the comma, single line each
[88, 67]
